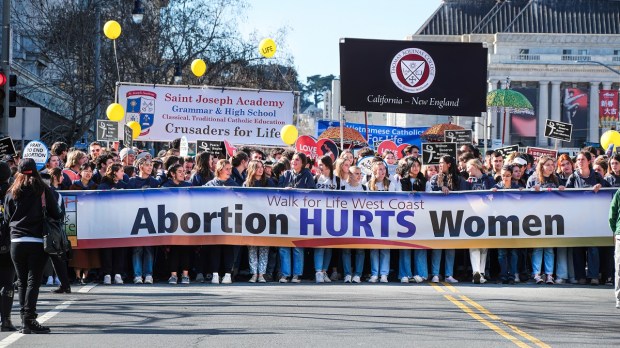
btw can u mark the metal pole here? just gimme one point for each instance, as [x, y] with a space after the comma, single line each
[6, 54]
[366, 120]
[341, 118]
[504, 127]
[23, 128]
[484, 132]
[97, 68]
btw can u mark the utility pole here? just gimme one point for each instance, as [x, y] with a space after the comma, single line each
[5, 61]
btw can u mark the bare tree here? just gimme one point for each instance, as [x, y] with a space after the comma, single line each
[64, 34]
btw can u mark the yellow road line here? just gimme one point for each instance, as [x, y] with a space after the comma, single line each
[515, 329]
[487, 323]
[437, 287]
[450, 287]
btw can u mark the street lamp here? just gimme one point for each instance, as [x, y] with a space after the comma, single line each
[137, 15]
[178, 75]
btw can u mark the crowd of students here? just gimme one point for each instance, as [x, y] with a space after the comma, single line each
[104, 169]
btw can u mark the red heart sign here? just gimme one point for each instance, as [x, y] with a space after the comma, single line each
[316, 149]
[389, 145]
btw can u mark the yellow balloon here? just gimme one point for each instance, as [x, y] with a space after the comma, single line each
[610, 137]
[267, 48]
[135, 128]
[115, 112]
[199, 67]
[112, 30]
[289, 134]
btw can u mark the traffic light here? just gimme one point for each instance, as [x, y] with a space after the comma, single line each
[12, 95]
[7, 86]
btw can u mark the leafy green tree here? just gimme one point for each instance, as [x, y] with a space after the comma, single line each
[315, 86]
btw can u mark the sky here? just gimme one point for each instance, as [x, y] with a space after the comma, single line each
[314, 28]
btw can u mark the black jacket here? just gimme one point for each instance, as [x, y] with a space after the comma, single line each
[25, 215]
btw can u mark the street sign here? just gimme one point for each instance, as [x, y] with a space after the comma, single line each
[459, 136]
[107, 130]
[215, 148]
[538, 152]
[127, 136]
[184, 147]
[38, 152]
[558, 130]
[6, 147]
[507, 150]
[432, 152]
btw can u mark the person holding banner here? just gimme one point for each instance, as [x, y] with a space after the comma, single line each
[585, 177]
[75, 159]
[325, 180]
[564, 269]
[179, 257]
[380, 259]
[446, 180]
[24, 211]
[85, 181]
[257, 255]
[353, 184]
[613, 171]
[201, 174]
[565, 169]
[297, 177]
[508, 269]
[142, 257]
[223, 171]
[412, 181]
[478, 180]
[544, 178]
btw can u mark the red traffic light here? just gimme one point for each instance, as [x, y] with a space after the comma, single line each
[2, 79]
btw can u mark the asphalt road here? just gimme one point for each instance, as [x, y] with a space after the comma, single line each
[307, 314]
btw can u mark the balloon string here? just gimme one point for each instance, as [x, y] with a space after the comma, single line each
[118, 73]
[283, 77]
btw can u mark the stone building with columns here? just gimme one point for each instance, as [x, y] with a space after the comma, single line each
[551, 50]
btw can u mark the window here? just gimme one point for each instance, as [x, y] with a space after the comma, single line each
[582, 52]
[524, 51]
[567, 52]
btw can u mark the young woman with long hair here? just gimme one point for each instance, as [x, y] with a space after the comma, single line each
[71, 172]
[201, 174]
[353, 184]
[24, 211]
[565, 169]
[412, 180]
[508, 258]
[447, 179]
[585, 177]
[297, 177]
[257, 255]
[223, 177]
[85, 182]
[380, 259]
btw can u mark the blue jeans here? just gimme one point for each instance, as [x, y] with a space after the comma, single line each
[404, 263]
[436, 262]
[359, 261]
[421, 265]
[537, 256]
[322, 257]
[379, 262]
[508, 269]
[593, 262]
[285, 261]
[143, 258]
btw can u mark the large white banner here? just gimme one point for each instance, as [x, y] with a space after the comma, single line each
[338, 219]
[198, 112]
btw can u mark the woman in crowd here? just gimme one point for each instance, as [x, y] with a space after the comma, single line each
[353, 184]
[543, 179]
[508, 258]
[600, 165]
[477, 180]
[564, 259]
[447, 179]
[24, 204]
[223, 171]
[325, 180]
[412, 180]
[85, 182]
[341, 170]
[59, 261]
[71, 173]
[297, 177]
[348, 155]
[257, 255]
[179, 257]
[113, 259]
[565, 168]
[143, 257]
[380, 259]
[389, 157]
[613, 171]
[585, 177]
[52, 162]
[202, 173]
[428, 171]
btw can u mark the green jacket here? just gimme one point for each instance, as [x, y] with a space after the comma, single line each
[614, 214]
